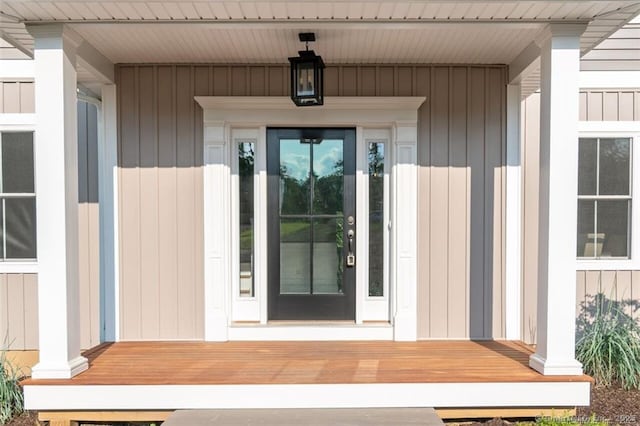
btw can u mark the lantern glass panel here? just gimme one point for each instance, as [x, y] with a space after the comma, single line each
[306, 79]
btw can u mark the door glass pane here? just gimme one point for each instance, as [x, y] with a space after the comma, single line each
[613, 226]
[20, 216]
[588, 244]
[615, 158]
[328, 173]
[376, 217]
[17, 162]
[245, 187]
[295, 158]
[587, 160]
[295, 256]
[328, 255]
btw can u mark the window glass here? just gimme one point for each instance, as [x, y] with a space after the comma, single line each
[246, 162]
[20, 219]
[376, 219]
[604, 198]
[17, 163]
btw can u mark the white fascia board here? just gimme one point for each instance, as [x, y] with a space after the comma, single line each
[96, 63]
[610, 79]
[17, 69]
[374, 395]
[527, 61]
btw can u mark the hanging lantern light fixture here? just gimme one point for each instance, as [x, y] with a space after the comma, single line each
[307, 75]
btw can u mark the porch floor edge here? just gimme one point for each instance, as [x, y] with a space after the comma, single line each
[372, 395]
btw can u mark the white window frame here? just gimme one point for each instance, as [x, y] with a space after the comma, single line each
[19, 123]
[619, 129]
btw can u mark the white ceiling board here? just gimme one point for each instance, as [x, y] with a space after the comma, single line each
[435, 43]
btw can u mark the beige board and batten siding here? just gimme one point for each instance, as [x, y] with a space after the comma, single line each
[19, 292]
[461, 184]
[17, 97]
[595, 105]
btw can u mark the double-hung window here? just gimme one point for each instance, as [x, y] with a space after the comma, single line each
[17, 197]
[604, 198]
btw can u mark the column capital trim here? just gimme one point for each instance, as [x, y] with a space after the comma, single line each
[45, 36]
[560, 31]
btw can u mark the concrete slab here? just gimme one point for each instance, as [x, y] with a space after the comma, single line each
[307, 417]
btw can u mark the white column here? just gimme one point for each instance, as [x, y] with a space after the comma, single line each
[513, 293]
[560, 65]
[404, 225]
[108, 204]
[56, 158]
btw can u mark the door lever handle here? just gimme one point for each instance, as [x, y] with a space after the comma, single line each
[351, 259]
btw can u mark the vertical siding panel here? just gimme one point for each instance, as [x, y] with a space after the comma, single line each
[623, 290]
[1, 97]
[186, 232]
[331, 81]
[476, 164]
[457, 291]
[94, 222]
[385, 81]
[405, 81]
[592, 285]
[494, 203]
[608, 284]
[275, 81]
[439, 201]
[625, 110]
[4, 311]
[580, 291]
[83, 227]
[583, 106]
[349, 81]
[423, 88]
[239, 81]
[11, 97]
[201, 87]
[30, 282]
[367, 81]
[636, 106]
[531, 175]
[27, 97]
[129, 202]
[594, 106]
[167, 199]
[15, 314]
[221, 81]
[150, 88]
[257, 81]
[610, 106]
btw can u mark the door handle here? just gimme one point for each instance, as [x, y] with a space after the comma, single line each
[351, 259]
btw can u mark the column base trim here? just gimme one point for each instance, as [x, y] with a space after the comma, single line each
[565, 368]
[44, 370]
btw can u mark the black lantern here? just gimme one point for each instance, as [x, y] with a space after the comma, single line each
[307, 75]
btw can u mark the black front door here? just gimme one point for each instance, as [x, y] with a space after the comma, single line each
[311, 222]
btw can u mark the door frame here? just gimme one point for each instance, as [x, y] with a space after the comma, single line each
[230, 120]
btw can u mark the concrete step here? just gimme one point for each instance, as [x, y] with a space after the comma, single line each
[306, 417]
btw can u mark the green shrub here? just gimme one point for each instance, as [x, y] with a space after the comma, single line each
[11, 400]
[608, 344]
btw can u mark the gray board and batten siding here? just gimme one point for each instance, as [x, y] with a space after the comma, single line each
[461, 189]
[595, 105]
[19, 292]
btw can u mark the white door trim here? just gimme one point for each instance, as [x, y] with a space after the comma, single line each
[228, 120]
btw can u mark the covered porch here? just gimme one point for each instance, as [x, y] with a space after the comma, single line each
[447, 375]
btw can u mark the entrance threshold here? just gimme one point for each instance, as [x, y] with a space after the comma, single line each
[310, 330]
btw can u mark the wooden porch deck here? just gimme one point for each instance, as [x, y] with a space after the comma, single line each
[279, 363]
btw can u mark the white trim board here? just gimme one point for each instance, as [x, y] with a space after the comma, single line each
[610, 79]
[152, 397]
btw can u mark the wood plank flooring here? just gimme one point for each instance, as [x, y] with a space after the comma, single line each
[181, 363]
